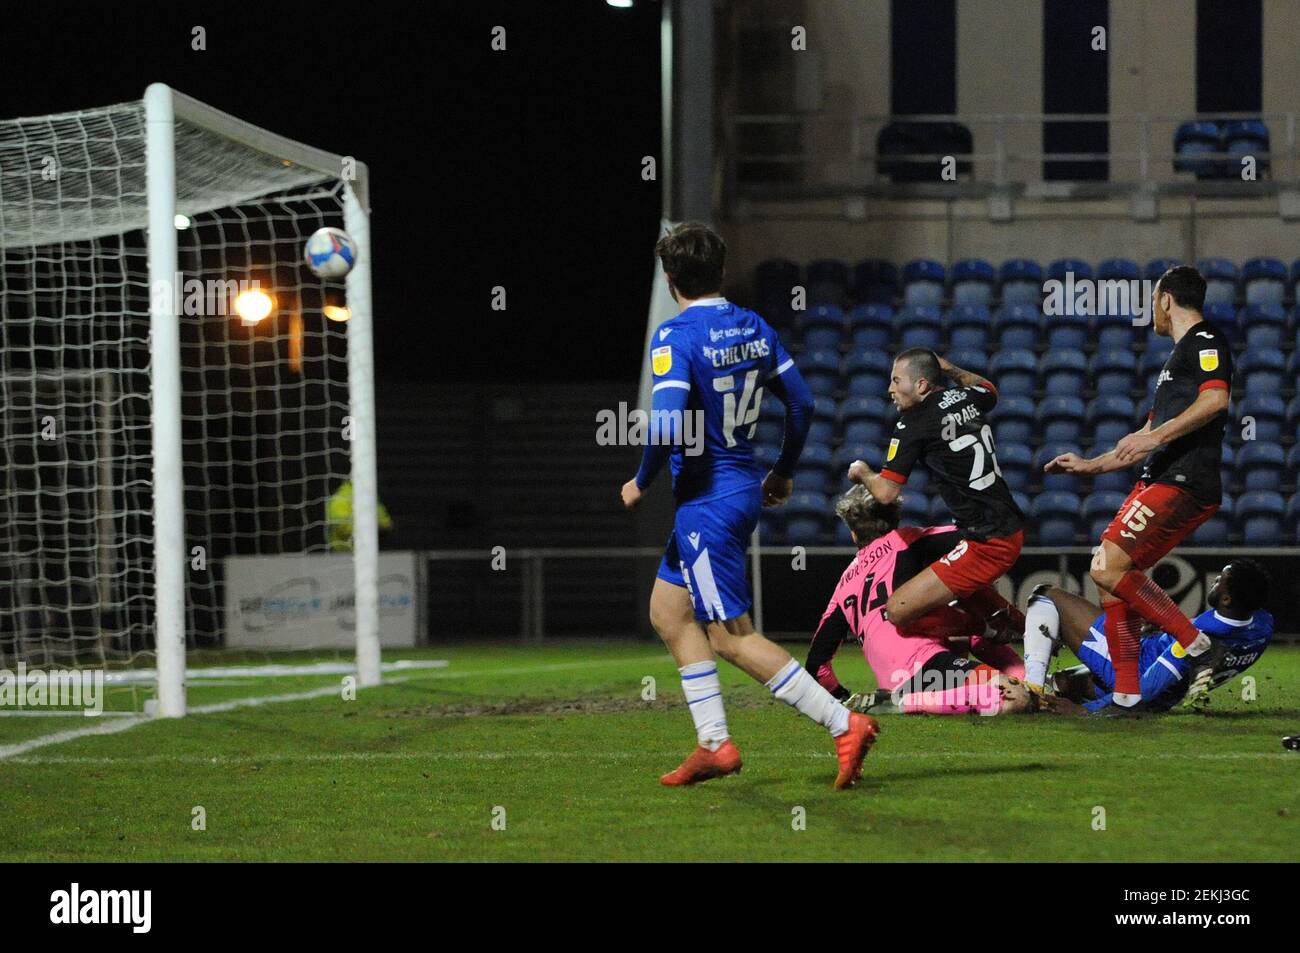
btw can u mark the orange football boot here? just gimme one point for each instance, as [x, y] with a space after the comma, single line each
[852, 746]
[703, 764]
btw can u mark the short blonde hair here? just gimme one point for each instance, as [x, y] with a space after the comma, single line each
[866, 516]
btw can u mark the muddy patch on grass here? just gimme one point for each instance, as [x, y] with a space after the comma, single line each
[590, 705]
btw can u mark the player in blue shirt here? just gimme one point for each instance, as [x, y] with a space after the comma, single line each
[711, 364]
[1235, 618]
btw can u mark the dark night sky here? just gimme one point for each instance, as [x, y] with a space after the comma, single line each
[520, 168]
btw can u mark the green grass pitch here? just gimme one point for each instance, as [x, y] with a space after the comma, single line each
[559, 738]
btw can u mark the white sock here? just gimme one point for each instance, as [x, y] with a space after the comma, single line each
[1042, 637]
[794, 686]
[703, 694]
[1200, 645]
[1125, 700]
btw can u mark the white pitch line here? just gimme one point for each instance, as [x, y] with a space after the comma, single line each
[14, 750]
[876, 757]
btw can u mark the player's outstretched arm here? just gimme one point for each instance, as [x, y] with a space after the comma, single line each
[882, 488]
[1209, 404]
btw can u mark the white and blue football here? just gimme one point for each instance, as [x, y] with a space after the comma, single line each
[330, 252]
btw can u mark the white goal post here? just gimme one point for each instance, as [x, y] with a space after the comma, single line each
[166, 432]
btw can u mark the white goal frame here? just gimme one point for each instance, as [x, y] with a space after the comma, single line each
[163, 106]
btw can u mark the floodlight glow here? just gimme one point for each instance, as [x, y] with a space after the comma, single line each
[337, 312]
[181, 222]
[253, 305]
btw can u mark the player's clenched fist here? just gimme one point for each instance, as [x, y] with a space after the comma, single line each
[776, 489]
[631, 494]
[859, 471]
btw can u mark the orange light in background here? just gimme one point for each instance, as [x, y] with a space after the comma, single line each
[295, 343]
[253, 305]
[337, 312]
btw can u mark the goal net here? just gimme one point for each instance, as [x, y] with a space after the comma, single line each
[152, 423]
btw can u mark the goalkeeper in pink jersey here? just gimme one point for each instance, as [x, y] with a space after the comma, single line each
[926, 670]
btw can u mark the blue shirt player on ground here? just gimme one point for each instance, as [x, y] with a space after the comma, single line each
[1235, 617]
[711, 364]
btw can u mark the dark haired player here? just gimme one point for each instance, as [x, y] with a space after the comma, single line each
[945, 428]
[1179, 488]
[1235, 618]
[713, 361]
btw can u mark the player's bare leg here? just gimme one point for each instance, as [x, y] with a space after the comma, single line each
[673, 618]
[923, 593]
[763, 660]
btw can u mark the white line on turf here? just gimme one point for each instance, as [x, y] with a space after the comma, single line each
[12, 751]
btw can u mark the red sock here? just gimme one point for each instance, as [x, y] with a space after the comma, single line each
[1122, 627]
[1152, 603]
[986, 600]
[945, 622]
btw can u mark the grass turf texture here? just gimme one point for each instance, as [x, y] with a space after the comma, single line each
[560, 737]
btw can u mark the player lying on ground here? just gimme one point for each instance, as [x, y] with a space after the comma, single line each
[712, 362]
[944, 427]
[920, 670]
[1234, 618]
[1179, 488]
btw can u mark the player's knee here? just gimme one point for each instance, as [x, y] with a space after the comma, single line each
[724, 644]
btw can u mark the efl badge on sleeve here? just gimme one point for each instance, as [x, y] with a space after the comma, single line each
[661, 360]
[893, 449]
[1210, 360]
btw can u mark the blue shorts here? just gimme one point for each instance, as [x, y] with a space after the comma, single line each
[706, 553]
[1095, 653]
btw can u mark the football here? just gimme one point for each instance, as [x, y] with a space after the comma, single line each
[330, 252]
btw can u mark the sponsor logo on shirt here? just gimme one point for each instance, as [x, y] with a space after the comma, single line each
[721, 334]
[1165, 375]
[951, 397]
[661, 360]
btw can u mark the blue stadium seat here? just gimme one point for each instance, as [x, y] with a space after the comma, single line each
[769, 432]
[1259, 516]
[1021, 282]
[1262, 326]
[1245, 137]
[1260, 466]
[923, 282]
[1227, 464]
[1055, 515]
[1264, 372]
[1110, 432]
[1116, 481]
[1223, 317]
[823, 328]
[1293, 365]
[1295, 279]
[1014, 372]
[766, 454]
[1154, 357]
[828, 281]
[807, 517]
[1054, 481]
[866, 374]
[1220, 281]
[843, 535]
[1099, 508]
[1111, 407]
[1060, 419]
[1114, 332]
[1067, 331]
[1264, 281]
[1293, 464]
[919, 326]
[875, 409]
[1058, 269]
[1063, 372]
[871, 326]
[1022, 500]
[813, 471]
[823, 408]
[1193, 141]
[969, 359]
[1291, 519]
[820, 370]
[1113, 372]
[821, 431]
[1119, 269]
[777, 278]
[1215, 530]
[1158, 266]
[972, 282]
[969, 326]
[864, 431]
[1268, 413]
[872, 453]
[1015, 461]
[1293, 413]
[875, 281]
[771, 526]
[1016, 326]
[1013, 420]
[916, 508]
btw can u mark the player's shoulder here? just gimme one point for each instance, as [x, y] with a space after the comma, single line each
[1205, 335]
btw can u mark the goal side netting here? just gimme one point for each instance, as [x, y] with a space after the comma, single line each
[148, 428]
